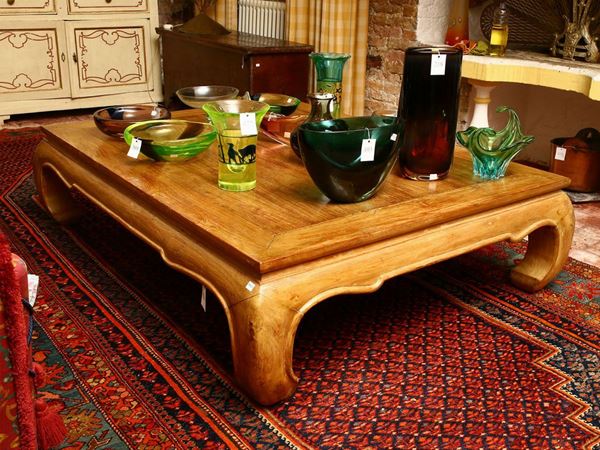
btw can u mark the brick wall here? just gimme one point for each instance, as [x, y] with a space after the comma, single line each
[392, 28]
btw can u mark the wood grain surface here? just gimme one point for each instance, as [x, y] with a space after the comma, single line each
[272, 253]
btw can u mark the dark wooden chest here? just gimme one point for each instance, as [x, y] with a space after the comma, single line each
[248, 62]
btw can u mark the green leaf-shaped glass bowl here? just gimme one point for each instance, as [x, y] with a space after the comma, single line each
[491, 150]
[171, 140]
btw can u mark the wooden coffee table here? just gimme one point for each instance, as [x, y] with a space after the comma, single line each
[271, 254]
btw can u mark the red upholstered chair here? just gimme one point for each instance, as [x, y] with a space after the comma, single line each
[26, 423]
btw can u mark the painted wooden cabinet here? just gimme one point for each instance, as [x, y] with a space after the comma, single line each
[34, 63]
[66, 54]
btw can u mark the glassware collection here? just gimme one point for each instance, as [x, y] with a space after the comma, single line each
[348, 158]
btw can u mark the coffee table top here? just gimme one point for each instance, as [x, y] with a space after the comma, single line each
[285, 220]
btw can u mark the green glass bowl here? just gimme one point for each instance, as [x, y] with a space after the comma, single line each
[278, 103]
[331, 152]
[171, 140]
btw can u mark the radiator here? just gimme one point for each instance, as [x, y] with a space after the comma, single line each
[262, 17]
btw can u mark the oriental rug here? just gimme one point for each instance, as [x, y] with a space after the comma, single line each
[451, 356]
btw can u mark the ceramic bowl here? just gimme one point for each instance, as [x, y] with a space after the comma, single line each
[278, 103]
[332, 152]
[113, 120]
[171, 140]
[196, 96]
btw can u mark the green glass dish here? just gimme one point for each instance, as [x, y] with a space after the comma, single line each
[278, 103]
[492, 150]
[171, 140]
[331, 152]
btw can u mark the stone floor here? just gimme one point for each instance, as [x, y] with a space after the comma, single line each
[586, 242]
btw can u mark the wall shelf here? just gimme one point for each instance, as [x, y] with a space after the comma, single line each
[535, 69]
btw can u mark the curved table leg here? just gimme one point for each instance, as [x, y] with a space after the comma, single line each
[547, 250]
[262, 338]
[54, 193]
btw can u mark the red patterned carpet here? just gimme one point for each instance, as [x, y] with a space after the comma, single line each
[447, 357]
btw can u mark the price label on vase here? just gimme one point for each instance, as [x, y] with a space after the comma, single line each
[248, 124]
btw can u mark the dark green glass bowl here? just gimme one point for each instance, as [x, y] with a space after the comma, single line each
[171, 140]
[331, 152]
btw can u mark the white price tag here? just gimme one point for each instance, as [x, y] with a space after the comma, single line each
[287, 134]
[393, 137]
[248, 124]
[203, 298]
[33, 282]
[561, 153]
[438, 64]
[367, 150]
[134, 148]
[250, 286]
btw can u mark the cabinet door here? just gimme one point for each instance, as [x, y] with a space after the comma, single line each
[109, 58]
[106, 6]
[10, 7]
[34, 62]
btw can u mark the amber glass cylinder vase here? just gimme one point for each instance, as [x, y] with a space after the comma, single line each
[429, 107]
[458, 22]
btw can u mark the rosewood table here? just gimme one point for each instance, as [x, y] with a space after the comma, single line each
[272, 253]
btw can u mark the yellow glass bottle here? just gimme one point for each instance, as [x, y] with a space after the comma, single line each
[499, 35]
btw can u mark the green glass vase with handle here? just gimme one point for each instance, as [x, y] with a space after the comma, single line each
[330, 69]
[492, 150]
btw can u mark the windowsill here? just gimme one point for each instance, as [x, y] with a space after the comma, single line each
[535, 69]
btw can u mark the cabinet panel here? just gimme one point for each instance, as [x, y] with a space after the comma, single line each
[109, 59]
[292, 71]
[106, 6]
[10, 7]
[36, 54]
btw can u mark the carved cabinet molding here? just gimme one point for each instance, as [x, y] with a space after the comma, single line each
[37, 52]
[68, 54]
